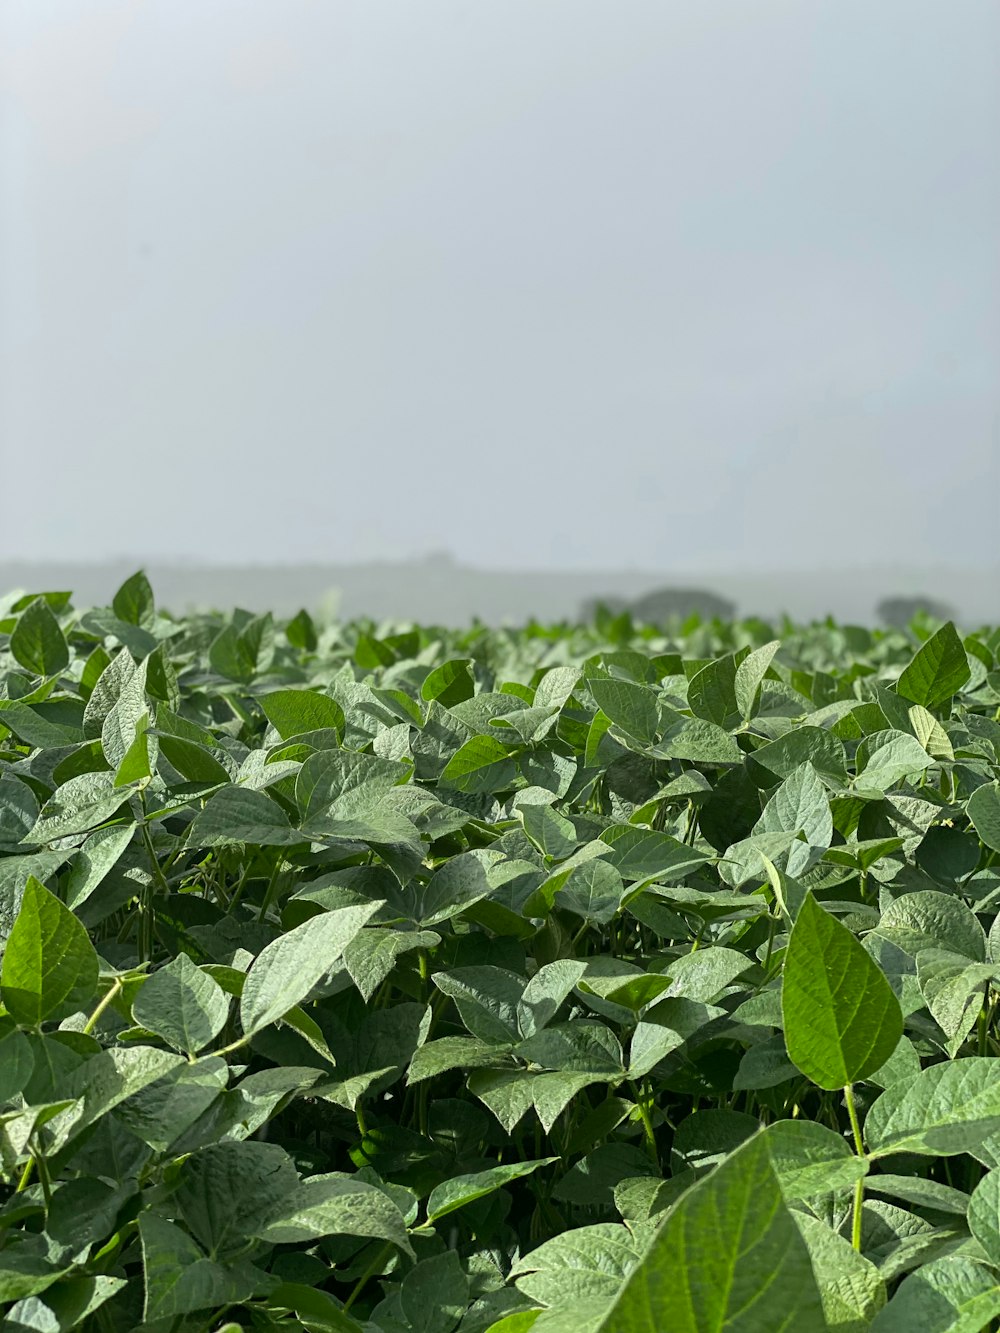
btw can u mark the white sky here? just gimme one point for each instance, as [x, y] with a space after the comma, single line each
[680, 284]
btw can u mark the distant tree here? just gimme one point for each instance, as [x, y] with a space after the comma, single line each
[898, 612]
[593, 605]
[665, 604]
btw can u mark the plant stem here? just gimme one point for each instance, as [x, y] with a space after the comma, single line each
[859, 1185]
[113, 990]
[647, 1124]
[366, 1276]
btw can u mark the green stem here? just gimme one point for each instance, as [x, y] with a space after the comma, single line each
[368, 1274]
[26, 1174]
[647, 1124]
[113, 991]
[269, 891]
[859, 1185]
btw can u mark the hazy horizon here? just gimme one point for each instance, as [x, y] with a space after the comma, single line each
[559, 286]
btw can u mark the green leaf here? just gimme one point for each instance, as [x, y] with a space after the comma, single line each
[938, 670]
[545, 992]
[450, 683]
[951, 1295]
[179, 1279]
[984, 1215]
[301, 632]
[727, 1256]
[135, 764]
[435, 1294]
[49, 964]
[293, 712]
[95, 859]
[750, 674]
[285, 972]
[712, 693]
[239, 814]
[460, 1190]
[78, 806]
[630, 706]
[983, 809]
[851, 1287]
[945, 1109]
[160, 1112]
[333, 1205]
[888, 756]
[810, 1159]
[581, 1264]
[37, 641]
[133, 602]
[482, 764]
[841, 1018]
[182, 1004]
[226, 1191]
[107, 1079]
[806, 744]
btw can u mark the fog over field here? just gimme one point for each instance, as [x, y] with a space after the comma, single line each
[710, 292]
[438, 589]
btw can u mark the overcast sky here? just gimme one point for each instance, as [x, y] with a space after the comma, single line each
[677, 284]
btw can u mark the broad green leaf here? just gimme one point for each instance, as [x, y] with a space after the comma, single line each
[461, 1190]
[239, 814]
[841, 1018]
[932, 920]
[293, 712]
[593, 891]
[697, 741]
[49, 965]
[182, 1004]
[179, 1279]
[333, 1205]
[160, 1112]
[37, 641]
[887, 757]
[712, 693]
[226, 1191]
[810, 1159]
[983, 809]
[78, 806]
[645, 854]
[136, 763]
[371, 955]
[851, 1288]
[434, 1295]
[945, 1109]
[16, 1062]
[727, 1256]
[984, 1215]
[95, 859]
[287, 969]
[544, 994]
[487, 999]
[450, 683]
[951, 1295]
[579, 1047]
[630, 706]
[580, 1264]
[105, 1080]
[938, 670]
[437, 1057]
[481, 764]
[750, 674]
[133, 602]
[801, 745]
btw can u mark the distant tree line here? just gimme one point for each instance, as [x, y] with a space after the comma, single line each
[665, 605]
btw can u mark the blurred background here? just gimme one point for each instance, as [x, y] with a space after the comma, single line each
[434, 309]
